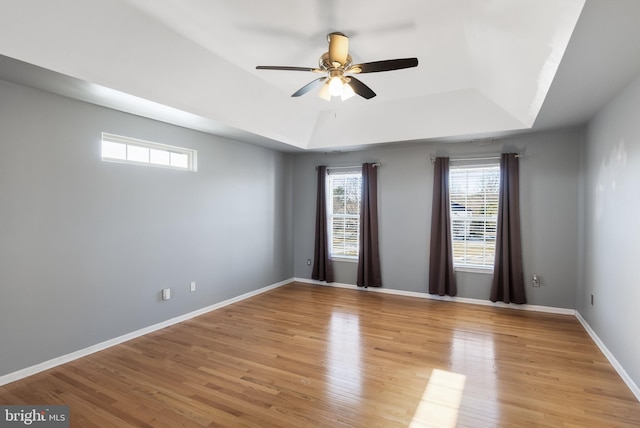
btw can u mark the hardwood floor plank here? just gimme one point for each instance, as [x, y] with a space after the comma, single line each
[316, 356]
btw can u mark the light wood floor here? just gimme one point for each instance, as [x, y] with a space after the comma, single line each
[305, 355]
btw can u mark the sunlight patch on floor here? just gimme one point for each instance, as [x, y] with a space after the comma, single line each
[441, 400]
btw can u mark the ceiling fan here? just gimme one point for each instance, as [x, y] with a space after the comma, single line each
[338, 69]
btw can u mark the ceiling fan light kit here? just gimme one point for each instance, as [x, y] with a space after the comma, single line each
[335, 86]
[337, 66]
[347, 92]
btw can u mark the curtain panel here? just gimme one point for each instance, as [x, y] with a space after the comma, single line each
[442, 278]
[369, 274]
[322, 267]
[508, 276]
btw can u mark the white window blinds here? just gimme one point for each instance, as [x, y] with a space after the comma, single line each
[474, 214]
[344, 189]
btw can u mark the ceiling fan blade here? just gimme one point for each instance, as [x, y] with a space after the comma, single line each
[361, 89]
[338, 48]
[286, 68]
[309, 86]
[386, 65]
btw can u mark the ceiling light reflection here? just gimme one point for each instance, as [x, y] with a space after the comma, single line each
[475, 353]
[344, 356]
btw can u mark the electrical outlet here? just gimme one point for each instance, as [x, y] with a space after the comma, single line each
[193, 286]
[536, 280]
[308, 262]
[166, 293]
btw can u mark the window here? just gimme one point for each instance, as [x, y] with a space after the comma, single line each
[129, 150]
[474, 215]
[343, 205]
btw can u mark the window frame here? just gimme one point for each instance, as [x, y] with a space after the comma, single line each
[334, 172]
[192, 155]
[469, 266]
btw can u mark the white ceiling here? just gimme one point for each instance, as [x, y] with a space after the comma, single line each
[487, 67]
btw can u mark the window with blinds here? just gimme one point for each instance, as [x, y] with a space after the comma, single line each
[343, 206]
[474, 214]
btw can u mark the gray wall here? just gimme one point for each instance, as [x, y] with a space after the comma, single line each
[549, 205]
[86, 246]
[611, 228]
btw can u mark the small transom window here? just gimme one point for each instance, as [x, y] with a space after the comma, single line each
[116, 148]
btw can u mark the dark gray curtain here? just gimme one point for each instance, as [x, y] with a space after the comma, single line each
[369, 257]
[322, 268]
[442, 279]
[508, 276]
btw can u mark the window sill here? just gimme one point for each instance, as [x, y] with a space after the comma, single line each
[468, 269]
[345, 259]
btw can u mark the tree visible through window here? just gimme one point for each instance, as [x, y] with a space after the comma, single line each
[344, 189]
[473, 192]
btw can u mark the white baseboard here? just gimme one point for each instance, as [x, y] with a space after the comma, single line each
[46, 365]
[536, 308]
[614, 362]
